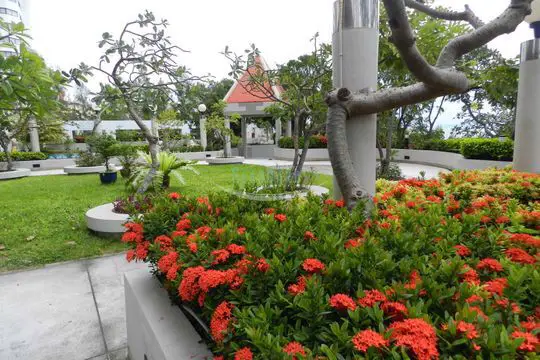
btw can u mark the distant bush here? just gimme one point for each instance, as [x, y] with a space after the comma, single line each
[187, 149]
[129, 135]
[316, 142]
[450, 145]
[472, 148]
[487, 149]
[24, 156]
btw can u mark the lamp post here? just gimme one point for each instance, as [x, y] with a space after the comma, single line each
[527, 140]
[355, 49]
[34, 135]
[202, 125]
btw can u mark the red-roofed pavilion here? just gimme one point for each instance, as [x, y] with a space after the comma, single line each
[249, 102]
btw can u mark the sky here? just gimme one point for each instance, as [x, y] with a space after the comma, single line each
[66, 32]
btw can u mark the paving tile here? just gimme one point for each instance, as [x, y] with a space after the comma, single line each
[108, 282]
[49, 313]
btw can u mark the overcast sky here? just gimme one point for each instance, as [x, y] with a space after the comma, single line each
[66, 32]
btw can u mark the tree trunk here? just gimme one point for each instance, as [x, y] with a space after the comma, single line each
[9, 161]
[338, 149]
[152, 145]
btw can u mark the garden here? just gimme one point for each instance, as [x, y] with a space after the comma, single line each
[43, 220]
[443, 268]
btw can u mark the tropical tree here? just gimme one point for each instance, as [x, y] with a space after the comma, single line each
[304, 81]
[489, 109]
[431, 80]
[141, 65]
[28, 88]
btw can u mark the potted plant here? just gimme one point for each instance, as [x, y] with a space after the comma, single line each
[107, 147]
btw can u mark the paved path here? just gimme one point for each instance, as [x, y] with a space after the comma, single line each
[68, 311]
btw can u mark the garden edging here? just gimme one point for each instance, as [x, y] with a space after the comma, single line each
[446, 160]
[14, 174]
[104, 221]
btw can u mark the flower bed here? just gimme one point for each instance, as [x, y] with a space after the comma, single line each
[445, 268]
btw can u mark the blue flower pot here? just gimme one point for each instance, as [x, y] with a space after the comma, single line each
[108, 177]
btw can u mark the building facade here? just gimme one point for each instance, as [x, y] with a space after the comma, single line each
[12, 11]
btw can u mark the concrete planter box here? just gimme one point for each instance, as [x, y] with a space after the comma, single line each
[201, 155]
[225, 161]
[77, 170]
[14, 174]
[312, 154]
[36, 165]
[104, 221]
[156, 329]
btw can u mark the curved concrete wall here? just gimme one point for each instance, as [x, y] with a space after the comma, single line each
[442, 159]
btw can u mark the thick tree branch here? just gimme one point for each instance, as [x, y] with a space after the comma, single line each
[468, 15]
[505, 23]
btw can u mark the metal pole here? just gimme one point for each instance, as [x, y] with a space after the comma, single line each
[527, 141]
[355, 48]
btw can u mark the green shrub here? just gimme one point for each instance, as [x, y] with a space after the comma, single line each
[187, 149]
[450, 145]
[487, 149]
[451, 282]
[24, 156]
[127, 155]
[316, 142]
[129, 135]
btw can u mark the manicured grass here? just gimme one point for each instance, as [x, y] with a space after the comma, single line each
[42, 218]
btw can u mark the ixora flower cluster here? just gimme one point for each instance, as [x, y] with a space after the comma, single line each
[444, 269]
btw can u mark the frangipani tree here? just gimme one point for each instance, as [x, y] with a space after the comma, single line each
[141, 63]
[432, 80]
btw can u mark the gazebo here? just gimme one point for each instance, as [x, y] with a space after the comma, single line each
[250, 102]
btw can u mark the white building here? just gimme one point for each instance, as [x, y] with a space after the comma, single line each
[13, 11]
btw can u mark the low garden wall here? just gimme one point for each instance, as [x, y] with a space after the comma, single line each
[446, 160]
[156, 329]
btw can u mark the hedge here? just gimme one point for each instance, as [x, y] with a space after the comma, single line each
[25, 156]
[129, 135]
[316, 142]
[487, 149]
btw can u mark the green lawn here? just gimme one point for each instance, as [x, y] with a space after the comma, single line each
[42, 218]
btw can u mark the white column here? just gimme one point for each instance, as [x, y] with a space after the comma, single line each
[227, 146]
[34, 135]
[243, 126]
[288, 130]
[278, 130]
[527, 141]
[355, 57]
[202, 127]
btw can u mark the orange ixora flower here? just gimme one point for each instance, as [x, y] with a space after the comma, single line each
[280, 217]
[490, 265]
[371, 297]
[243, 354]
[519, 256]
[365, 339]
[416, 335]
[467, 329]
[294, 348]
[174, 196]
[530, 343]
[342, 302]
[313, 266]
[220, 322]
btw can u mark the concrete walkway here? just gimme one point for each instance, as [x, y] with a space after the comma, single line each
[67, 311]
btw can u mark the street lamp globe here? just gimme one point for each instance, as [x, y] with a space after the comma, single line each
[534, 18]
[202, 108]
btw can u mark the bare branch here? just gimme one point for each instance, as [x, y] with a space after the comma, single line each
[405, 41]
[468, 15]
[505, 23]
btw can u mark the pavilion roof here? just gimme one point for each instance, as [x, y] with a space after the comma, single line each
[242, 92]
